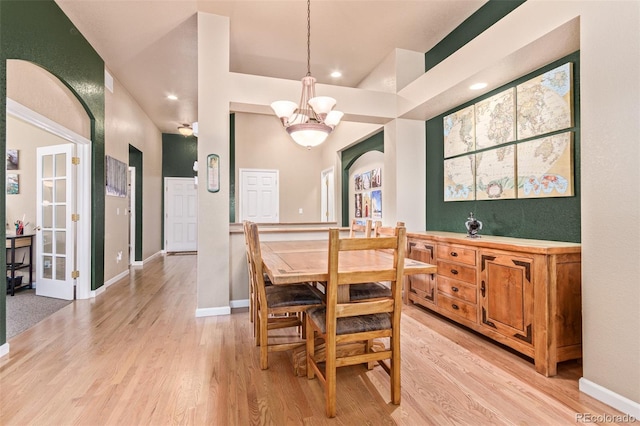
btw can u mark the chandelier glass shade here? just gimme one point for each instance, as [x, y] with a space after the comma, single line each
[310, 121]
[185, 130]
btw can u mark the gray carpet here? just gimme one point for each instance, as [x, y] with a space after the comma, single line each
[25, 309]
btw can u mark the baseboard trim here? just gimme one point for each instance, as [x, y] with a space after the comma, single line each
[212, 312]
[117, 278]
[97, 292]
[4, 350]
[619, 402]
[242, 303]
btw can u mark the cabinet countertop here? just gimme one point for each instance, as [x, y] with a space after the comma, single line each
[497, 242]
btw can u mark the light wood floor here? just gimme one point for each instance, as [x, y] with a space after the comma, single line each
[137, 355]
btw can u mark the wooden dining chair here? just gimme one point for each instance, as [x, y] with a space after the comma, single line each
[344, 322]
[357, 229]
[278, 306]
[374, 290]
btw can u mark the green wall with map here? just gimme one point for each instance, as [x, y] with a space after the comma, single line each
[555, 219]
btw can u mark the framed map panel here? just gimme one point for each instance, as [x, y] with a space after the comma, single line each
[459, 132]
[496, 174]
[458, 178]
[496, 119]
[545, 167]
[544, 103]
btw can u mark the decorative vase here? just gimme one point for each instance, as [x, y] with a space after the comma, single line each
[473, 225]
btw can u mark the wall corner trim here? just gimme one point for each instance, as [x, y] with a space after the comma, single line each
[213, 312]
[609, 397]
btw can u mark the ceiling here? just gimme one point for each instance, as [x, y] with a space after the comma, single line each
[150, 46]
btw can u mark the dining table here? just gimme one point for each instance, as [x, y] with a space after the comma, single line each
[297, 261]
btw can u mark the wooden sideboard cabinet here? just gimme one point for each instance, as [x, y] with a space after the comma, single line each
[525, 294]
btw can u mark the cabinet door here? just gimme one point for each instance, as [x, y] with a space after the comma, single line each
[506, 295]
[422, 285]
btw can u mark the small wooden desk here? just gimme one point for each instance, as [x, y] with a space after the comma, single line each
[14, 242]
[290, 262]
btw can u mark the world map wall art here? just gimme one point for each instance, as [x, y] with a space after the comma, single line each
[511, 145]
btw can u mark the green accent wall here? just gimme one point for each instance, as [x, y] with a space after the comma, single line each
[178, 154]
[39, 32]
[135, 160]
[556, 219]
[348, 157]
[490, 13]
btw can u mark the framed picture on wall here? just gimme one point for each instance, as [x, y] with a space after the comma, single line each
[459, 183]
[13, 184]
[376, 178]
[12, 159]
[116, 177]
[358, 205]
[213, 173]
[376, 204]
[545, 167]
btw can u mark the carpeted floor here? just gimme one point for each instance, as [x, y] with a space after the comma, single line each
[25, 309]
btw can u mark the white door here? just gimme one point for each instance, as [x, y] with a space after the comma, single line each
[132, 215]
[259, 196]
[55, 246]
[327, 203]
[180, 215]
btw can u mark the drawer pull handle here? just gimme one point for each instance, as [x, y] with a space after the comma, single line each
[454, 289]
[454, 306]
[454, 272]
[453, 254]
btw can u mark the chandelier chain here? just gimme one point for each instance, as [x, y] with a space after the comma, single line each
[308, 37]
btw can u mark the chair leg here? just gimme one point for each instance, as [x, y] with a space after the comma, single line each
[330, 377]
[395, 370]
[311, 347]
[264, 349]
[367, 349]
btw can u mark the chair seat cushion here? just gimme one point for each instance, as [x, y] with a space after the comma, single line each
[368, 291]
[279, 296]
[348, 325]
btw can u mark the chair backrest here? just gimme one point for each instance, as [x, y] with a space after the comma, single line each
[357, 229]
[386, 231]
[255, 260]
[391, 269]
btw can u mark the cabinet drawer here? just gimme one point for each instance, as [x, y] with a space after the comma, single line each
[457, 272]
[456, 254]
[458, 307]
[458, 289]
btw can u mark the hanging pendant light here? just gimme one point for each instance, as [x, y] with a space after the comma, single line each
[313, 119]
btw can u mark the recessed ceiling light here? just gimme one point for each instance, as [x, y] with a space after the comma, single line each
[478, 86]
[336, 74]
[172, 97]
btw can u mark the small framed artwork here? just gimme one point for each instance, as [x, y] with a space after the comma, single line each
[13, 184]
[376, 204]
[213, 173]
[358, 205]
[376, 178]
[12, 159]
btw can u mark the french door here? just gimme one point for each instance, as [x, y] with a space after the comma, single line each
[55, 241]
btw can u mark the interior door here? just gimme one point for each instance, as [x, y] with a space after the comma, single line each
[181, 215]
[327, 203]
[259, 196]
[55, 239]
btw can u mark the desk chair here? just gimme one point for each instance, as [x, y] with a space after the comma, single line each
[275, 304]
[362, 321]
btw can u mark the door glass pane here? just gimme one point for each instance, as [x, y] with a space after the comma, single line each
[61, 165]
[47, 216]
[61, 242]
[47, 166]
[46, 267]
[47, 188]
[61, 216]
[47, 242]
[61, 190]
[60, 267]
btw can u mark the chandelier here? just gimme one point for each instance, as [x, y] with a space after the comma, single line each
[313, 119]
